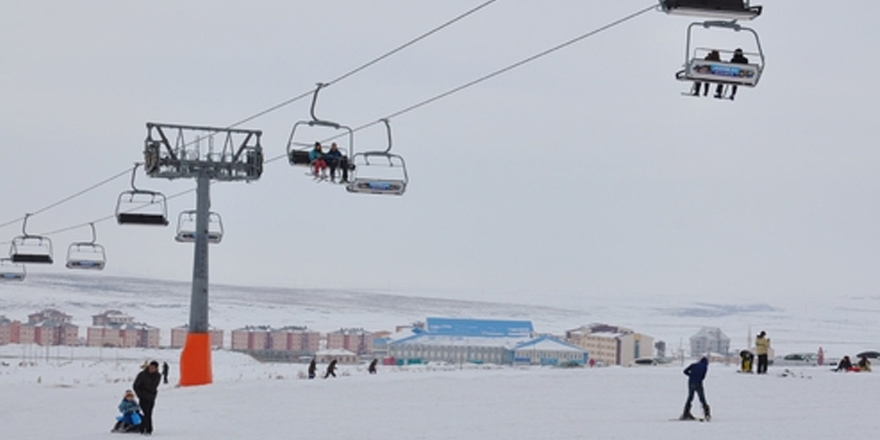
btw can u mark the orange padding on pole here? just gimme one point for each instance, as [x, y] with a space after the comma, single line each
[195, 360]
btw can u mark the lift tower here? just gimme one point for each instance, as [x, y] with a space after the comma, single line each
[204, 154]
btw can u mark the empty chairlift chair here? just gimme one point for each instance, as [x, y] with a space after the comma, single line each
[141, 207]
[186, 227]
[86, 255]
[10, 271]
[28, 248]
[379, 172]
[721, 9]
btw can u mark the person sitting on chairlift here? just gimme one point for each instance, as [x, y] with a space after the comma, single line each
[712, 56]
[335, 159]
[316, 158]
[738, 58]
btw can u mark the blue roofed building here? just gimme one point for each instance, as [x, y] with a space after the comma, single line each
[502, 342]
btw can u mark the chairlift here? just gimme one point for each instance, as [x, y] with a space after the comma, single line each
[697, 68]
[86, 255]
[186, 227]
[28, 248]
[298, 150]
[141, 207]
[379, 172]
[10, 271]
[722, 9]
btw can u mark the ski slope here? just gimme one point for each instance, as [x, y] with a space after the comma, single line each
[77, 400]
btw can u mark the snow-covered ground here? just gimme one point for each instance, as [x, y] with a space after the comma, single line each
[63, 399]
[72, 392]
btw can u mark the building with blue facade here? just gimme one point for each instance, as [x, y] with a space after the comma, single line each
[455, 340]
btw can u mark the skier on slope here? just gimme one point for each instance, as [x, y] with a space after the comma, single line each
[696, 372]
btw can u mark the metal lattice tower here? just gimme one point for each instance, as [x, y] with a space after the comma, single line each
[203, 154]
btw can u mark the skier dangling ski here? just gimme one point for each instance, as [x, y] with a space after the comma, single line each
[696, 373]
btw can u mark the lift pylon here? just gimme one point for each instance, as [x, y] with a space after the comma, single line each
[203, 154]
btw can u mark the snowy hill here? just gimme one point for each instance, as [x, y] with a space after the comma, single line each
[840, 325]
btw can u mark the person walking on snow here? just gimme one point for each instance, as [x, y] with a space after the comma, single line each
[696, 373]
[165, 373]
[146, 386]
[331, 369]
[762, 347]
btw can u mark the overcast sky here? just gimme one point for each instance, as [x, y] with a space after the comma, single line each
[584, 173]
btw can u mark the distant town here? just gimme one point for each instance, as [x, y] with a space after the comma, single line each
[453, 340]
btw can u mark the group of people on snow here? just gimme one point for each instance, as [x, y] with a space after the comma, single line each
[762, 349]
[137, 405]
[331, 368]
[846, 365]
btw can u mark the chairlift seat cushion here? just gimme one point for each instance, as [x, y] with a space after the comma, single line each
[141, 219]
[32, 258]
[299, 157]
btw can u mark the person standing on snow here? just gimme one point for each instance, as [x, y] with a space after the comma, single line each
[313, 368]
[762, 347]
[165, 373]
[372, 368]
[696, 373]
[146, 386]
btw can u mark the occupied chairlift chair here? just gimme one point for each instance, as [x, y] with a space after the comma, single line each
[186, 227]
[141, 207]
[10, 271]
[86, 255]
[28, 248]
[298, 151]
[722, 9]
[697, 69]
[379, 172]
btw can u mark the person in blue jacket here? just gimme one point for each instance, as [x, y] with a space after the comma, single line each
[696, 373]
[131, 417]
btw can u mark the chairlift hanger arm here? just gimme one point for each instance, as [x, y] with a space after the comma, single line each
[388, 131]
[315, 119]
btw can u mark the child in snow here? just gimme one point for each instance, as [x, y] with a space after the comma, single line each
[864, 364]
[131, 417]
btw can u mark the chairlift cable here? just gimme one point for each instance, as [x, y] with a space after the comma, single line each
[272, 108]
[492, 75]
[397, 113]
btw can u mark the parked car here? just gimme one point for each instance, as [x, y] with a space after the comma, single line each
[645, 362]
[797, 360]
